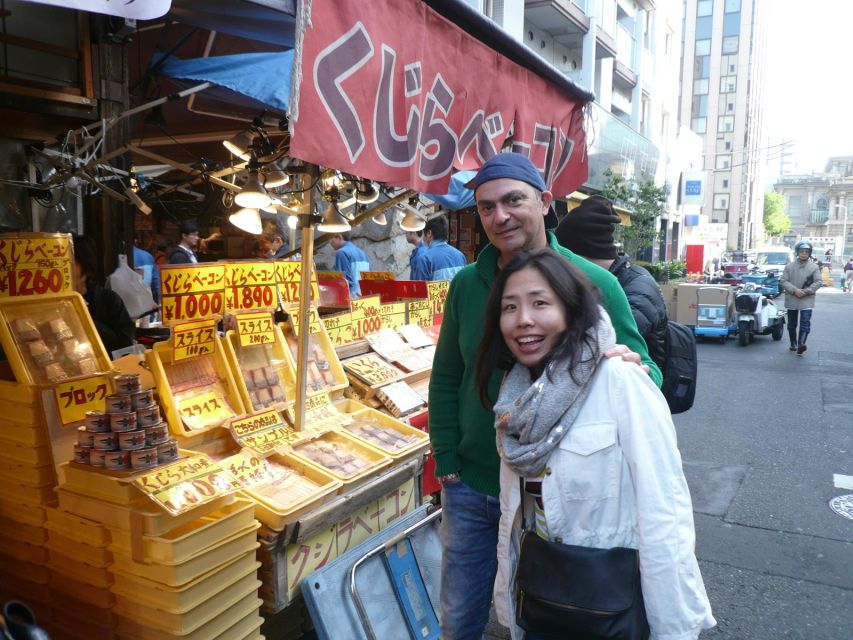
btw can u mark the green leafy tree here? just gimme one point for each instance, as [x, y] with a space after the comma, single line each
[645, 200]
[776, 221]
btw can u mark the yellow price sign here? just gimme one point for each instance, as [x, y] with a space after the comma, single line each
[339, 328]
[74, 399]
[192, 339]
[187, 484]
[265, 442]
[372, 369]
[420, 313]
[288, 275]
[255, 328]
[393, 315]
[366, 316]
[313, 327]
[193, 292]
[250, 286]
[35, 264]
[262, 432]
[437, 293]
[382, 276]
[207, 408]
[304, 558]
[249, 470]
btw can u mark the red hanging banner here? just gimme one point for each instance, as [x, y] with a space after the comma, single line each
[392, 91]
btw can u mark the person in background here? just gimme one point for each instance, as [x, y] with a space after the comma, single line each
[588, 232]
[143, 262]
[278, 246]
[349, 260]
[184, 252]
[418, 265]
[162, 250]
[444, 260]
[800, 281]
[261, 248]
[592, 440]
[114, 325]
[514, 206]
[848, 275]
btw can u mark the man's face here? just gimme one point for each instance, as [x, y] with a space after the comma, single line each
[428, 237]
[275, 243]
[513, 217]
[802, 255]
[190, 239]
[337, 242]
[412, 238]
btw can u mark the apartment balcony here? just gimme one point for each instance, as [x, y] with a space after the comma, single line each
[818, 216]
[626, 58]
[564, 20]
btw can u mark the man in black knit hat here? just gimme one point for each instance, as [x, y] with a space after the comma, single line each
[588, 232]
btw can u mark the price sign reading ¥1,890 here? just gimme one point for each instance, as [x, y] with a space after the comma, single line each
[74, 399]
[339, 328]
[250, 286]
[187, 483]
[366, 316]
[420, 313]
[288, 275]
[35, 264]
[255, 328]
[437, 293]
[192, 292]
[191, 339]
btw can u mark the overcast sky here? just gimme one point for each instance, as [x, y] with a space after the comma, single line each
[809, 86]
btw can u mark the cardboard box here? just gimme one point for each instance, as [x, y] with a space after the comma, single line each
[687, 298]
[670, 295]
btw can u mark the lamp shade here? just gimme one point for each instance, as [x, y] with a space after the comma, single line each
[275, 177]
[380, 218]
[253, 194]
[240, 144]
[366, 192]
[412, 220]
[333, 221]
[248, 220]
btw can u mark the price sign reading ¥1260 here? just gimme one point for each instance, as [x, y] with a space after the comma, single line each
[250, 286]
[35, 264]
[191, 339]
[255, 328]
[74, 399]
[366, 316]
[192, 292]
[288, 275]
[187, 483]
[437, 293]
[339, 328]
[420, 313]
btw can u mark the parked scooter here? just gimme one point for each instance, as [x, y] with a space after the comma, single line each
[757, 314]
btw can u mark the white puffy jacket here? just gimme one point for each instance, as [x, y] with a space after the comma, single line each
[615, 480]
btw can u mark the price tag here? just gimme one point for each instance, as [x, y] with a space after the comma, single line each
[339, 328]
[186, 484]
[366, 316]
[372, 369]
[393, 315]
[192, 292]
[321, 415]
[420, 313]
[35, 264]
[74, 399]
[255, 328]
[250, 286]
[205, 409]
[313, 327]
[191, 339]
[437, 293]
[288, 275]
[249, 470]
[381, 276]
[263, 432]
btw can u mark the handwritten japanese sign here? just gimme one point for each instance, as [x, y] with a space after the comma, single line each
[207, 408]
[250, 286]
[366, 316]
[372, 369]
[193, 292]
[248, 469]
[304, 558]
[187, 483]
[191, 339]
[358, 527]
[393, 315]
[321, 415]
[263, 432]
[74, 399]
[35, 264]
[420, 313]
[396, 503]
[255, 328]
[437, 292]
[313, 327]
[288, 275]
[339, 328]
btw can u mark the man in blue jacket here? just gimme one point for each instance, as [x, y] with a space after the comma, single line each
[444, 260]
[350, 260]
[418, 264]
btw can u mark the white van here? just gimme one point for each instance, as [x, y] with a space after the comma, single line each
[767, 258]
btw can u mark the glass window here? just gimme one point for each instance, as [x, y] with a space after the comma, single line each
[704, 8]
[703, 28]
[732, 5]
[726, 123]
[699, 106]
[700, 86]
[731, 24]
[730, 106]
[728, 84]
[721, 201]
[724, 161]
[730, 44]
[702, 67]
[703, 47]
[699, 125]
[725, 184]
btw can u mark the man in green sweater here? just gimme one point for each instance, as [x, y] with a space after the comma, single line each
[515, 208]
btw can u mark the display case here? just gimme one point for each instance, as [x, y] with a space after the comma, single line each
[263, 373]
[323, 369]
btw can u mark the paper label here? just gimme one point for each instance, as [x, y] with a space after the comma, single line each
[35, 266]
[255, 328]
[366, 316]
[339, 328]
[192, 292]
[191, 339]
[393, 315]
[288, 275]
[372, 369]
[250, 286]
[321, 415]
[186, 484]
[437, 292]
[420, 313]
[263, 432]
[313, 327]
[74, 399]
[381, 276]
[203, 409]
[249, 470]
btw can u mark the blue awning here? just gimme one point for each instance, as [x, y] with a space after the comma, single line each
[457, 196]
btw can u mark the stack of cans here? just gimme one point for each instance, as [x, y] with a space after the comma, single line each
[128, 434]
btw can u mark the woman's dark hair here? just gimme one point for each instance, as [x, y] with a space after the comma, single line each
[86, 254]
[580, 305]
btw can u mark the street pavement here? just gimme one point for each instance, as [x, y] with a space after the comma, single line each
[760, 447]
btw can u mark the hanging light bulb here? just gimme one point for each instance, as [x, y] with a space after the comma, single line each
[247, 219]
[292, 222]
[380, 218]
[240, 144]
[138, 202]
[253, 194]
[275, 177]
[412, 220]
[333, 221]
[366, 192]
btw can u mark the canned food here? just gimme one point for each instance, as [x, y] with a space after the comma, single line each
[123, 421]
[148, 417]
[85, 438]
[117, 460]
[97, 457]
[167, 451]
[119, 403]
[105, 441]
[128, 383]
[97, 421]
[81, 454]
[142, 399]
[144, 458]
[131, 440]
[158, 434]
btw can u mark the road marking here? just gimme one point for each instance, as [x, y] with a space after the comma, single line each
[842, 482]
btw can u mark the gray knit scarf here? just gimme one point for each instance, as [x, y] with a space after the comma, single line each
[532, 416]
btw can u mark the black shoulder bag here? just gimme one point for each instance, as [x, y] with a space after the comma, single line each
[578, 593]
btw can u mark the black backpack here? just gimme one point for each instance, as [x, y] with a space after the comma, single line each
[680, 369]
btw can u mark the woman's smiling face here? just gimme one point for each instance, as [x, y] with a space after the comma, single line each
[532, 316]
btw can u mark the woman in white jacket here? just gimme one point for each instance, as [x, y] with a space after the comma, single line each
[593, 439]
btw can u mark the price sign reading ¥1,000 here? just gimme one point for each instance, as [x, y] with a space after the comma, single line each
[366, 316]
[74, 399]
[255, 328]
[191, 339]
[187, 483]
[193, 292]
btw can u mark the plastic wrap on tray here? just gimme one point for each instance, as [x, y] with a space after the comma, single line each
[337, 457]
[320, 376]
[288, 488]
[383, 436]
[261, 373]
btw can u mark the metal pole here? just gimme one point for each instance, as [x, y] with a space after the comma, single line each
[843, 233]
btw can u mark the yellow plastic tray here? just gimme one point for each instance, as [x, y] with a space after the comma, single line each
[234, 622]
[420, 445]
[338, 374]
[161, 355]
[23, 551]
[182, 543]
[155, 521]
[26, 513]
[76, 629]
[17, 393]
[23, 587]
[37, 573]
[87, 593]
[182, 623]
[27, 474]
[275, 515]
[78, 529]
[15, 453]
[95, 556]
[177, 574]
[186, 597]
[96, 576]
[377, 459]
[70, 606]
[29, 494]
[23, 532]
[100, 483]
[235, 353]
[33, 435]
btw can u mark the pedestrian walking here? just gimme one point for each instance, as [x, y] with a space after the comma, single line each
[443, 260]
[800, 281]
[418, 264]
[588, 457]
[514, 206]
[350, 260]
[848, 275]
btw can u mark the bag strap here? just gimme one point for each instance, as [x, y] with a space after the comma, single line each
[521, 503]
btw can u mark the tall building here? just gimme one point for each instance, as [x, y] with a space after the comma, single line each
[722, 87]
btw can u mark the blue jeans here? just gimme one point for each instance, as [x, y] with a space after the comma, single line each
[469, 537]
